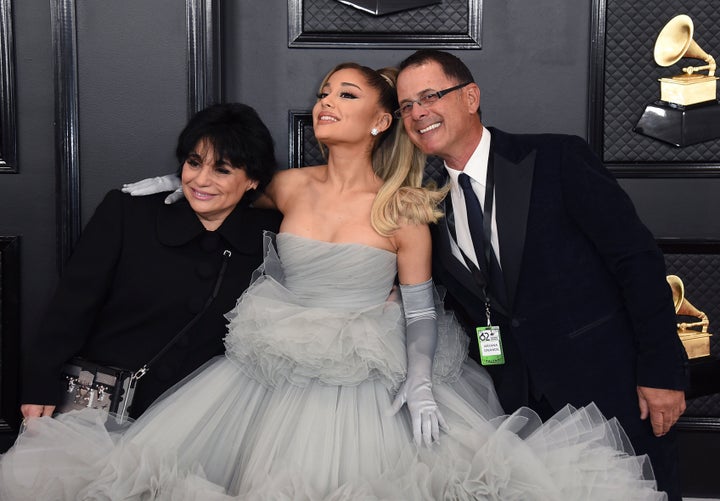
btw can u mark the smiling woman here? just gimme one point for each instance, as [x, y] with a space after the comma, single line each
[217, 168]
[213, 186]
[142, 269]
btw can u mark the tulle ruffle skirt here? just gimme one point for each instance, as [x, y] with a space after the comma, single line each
[300, 409]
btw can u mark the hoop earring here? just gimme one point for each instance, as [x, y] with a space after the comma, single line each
[374, 131]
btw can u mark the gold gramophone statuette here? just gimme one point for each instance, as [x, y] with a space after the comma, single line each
[688, 111]
[696, 342]
[675, 42]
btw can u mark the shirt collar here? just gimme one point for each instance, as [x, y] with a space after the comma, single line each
[476, 167]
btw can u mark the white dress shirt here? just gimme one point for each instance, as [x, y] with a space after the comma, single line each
[476, 169]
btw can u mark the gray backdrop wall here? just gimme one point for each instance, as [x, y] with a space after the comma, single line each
[132, 102]
[533, 71]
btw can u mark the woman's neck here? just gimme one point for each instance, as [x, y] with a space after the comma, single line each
[350, 170]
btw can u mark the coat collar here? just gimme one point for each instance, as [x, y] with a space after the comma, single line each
[177, 225]
[513, 190]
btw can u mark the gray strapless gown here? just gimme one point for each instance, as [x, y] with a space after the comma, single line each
[299, 409]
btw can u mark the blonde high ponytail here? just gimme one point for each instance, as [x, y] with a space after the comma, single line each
[397, 161]
[401, 199]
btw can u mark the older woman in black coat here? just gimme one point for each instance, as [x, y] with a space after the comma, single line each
[143, 269]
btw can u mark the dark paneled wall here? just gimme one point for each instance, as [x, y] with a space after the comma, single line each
[533, 70]
[133, 91]
[27, 198]
[132, 102]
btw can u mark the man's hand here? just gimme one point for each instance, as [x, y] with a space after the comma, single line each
[36, 410]
[663, 406]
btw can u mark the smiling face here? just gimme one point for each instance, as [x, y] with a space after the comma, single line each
[450, 128]
[212, 186]
[347, 110]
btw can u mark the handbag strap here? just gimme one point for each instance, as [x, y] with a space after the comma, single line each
[223, 267]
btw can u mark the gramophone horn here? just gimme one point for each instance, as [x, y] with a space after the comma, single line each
[684, 307]
[678, 290]
[675, 41]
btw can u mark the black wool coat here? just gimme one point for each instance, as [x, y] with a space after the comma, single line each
[140, 271]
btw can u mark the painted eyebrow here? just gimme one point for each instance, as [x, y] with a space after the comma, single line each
[344, 84]
[350, 84]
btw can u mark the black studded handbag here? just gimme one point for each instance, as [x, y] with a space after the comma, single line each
[111, 389]
[104, 387]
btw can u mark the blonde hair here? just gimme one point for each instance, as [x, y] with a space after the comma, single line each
[401, 199]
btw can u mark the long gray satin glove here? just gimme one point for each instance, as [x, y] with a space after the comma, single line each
[421, 340]
[151, 185]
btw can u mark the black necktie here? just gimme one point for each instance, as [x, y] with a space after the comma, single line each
[487, 261]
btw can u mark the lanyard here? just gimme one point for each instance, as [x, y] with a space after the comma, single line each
[487, 210]
[480, 274]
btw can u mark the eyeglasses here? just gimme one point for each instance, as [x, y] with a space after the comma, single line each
[425, 101]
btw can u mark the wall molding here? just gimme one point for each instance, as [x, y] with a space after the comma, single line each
[204, 54]
[67, 158]
[9, 336]
[204, 77]
[8, 122]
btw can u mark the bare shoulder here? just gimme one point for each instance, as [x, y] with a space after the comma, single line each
[302, 173]
[290, 185]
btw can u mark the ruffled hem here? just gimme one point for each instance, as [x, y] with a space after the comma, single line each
[300, 409]
[575, 455]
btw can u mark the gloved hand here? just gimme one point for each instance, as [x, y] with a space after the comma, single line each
[151, 185]
[421, 340]
[174, 196]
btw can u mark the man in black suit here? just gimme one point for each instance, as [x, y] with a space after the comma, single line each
[557, 252]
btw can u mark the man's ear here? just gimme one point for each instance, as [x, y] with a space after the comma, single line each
[472, 93]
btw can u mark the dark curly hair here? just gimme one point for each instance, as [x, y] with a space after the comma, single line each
[237, 134]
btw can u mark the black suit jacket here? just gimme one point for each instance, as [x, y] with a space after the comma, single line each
[140, 271]
[589, 315]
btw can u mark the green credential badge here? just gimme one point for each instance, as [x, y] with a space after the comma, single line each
[490, 343]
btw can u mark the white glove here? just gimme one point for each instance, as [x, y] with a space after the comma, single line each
[421, 340]
[151, 185]
[174, 196]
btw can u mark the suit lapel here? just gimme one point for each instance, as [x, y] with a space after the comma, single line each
[442, 247]
[451, 264]
[512, 190]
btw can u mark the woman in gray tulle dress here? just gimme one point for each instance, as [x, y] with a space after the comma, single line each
[335, 384]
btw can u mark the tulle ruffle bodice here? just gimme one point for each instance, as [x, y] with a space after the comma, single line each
[345, 276]
[334, 318]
